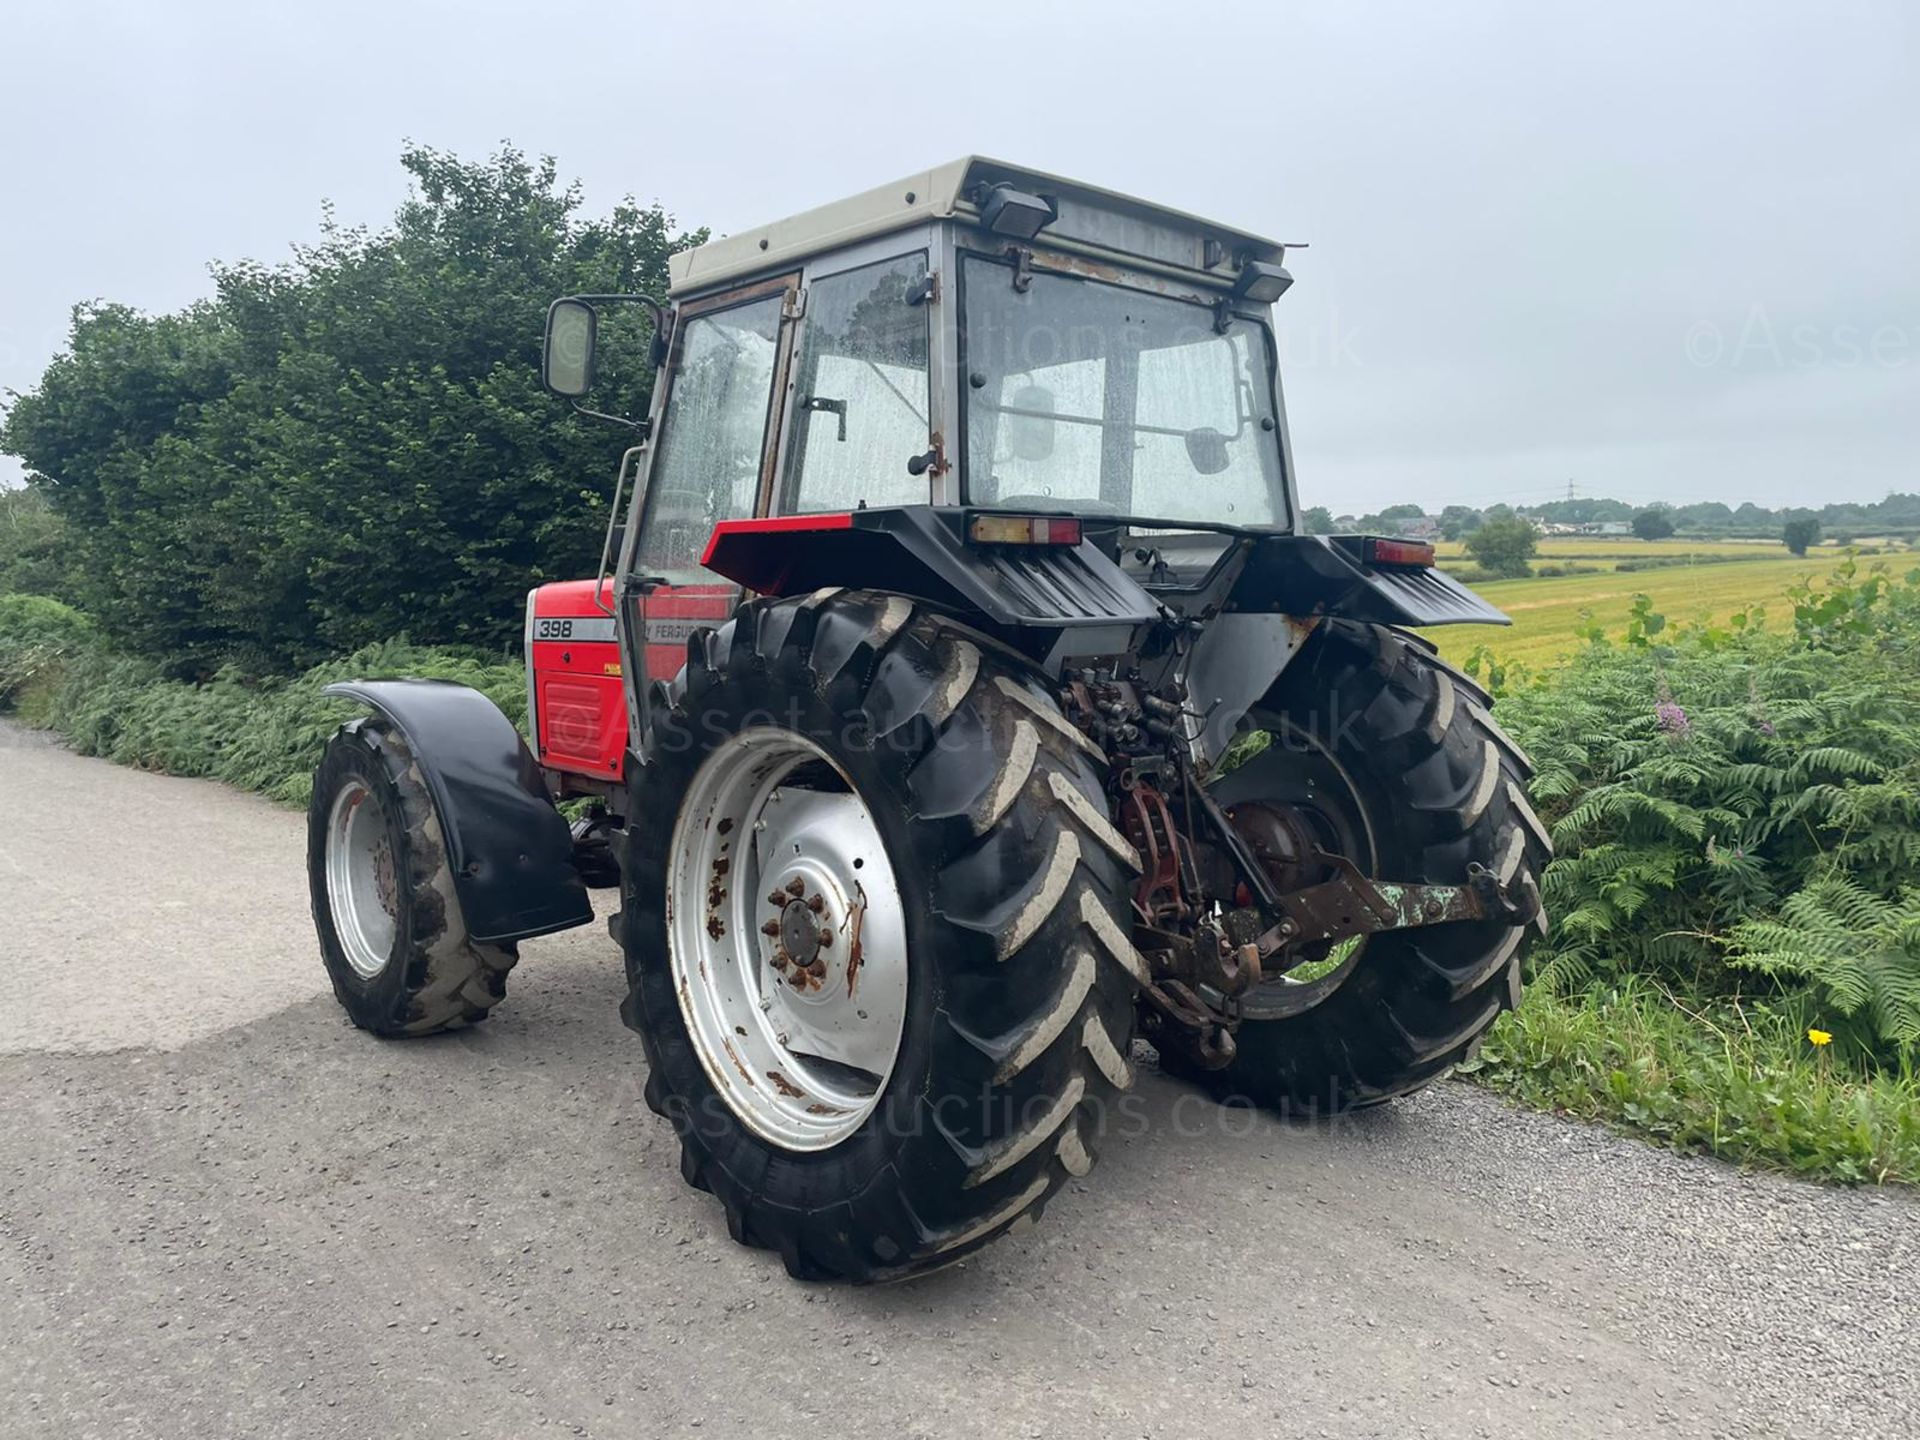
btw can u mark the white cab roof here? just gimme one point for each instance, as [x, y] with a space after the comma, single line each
[940, 193]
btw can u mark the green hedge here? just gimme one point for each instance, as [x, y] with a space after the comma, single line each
[262, 735]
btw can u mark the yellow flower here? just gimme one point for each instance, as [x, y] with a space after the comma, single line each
[1819, 1037]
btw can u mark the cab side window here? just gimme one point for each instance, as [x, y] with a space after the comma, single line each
[860, 391]
[707, 467]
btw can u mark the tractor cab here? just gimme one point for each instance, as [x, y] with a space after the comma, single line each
[977, 336]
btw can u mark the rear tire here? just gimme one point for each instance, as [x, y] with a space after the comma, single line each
[1438, 786]
[391, 933]
[1018, 976]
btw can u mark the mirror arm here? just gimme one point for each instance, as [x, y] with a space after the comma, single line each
[644, 427]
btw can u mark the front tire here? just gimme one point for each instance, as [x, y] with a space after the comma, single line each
[391, 933]
[1006, 996]
[1400, 766]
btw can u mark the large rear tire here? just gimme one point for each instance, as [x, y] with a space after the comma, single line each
[1004, 1000]
[391, 933]
[1396, 759]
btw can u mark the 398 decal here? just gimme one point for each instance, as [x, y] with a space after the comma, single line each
[552, 629]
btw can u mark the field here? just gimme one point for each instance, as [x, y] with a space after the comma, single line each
[1549, 612]
[1606, 551]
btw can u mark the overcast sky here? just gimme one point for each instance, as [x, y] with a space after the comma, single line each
[1659, 251]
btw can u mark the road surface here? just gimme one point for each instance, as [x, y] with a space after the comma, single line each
[224, 1212]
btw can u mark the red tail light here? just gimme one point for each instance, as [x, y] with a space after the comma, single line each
[1023, 530]
[1398, 552]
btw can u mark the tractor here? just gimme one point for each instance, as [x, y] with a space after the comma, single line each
[958, 701]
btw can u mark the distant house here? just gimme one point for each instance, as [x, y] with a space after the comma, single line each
[1420, 527]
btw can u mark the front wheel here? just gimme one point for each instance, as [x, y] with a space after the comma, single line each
[1384, 755]
[871, 910]
[391, 933]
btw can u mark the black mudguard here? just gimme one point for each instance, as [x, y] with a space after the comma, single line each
[510, 850]
[921, 551]
[1303, 575]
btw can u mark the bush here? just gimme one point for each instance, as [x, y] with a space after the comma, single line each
[1800, 532]
[36, 634]
[1739, 811]
[36, 553]
[353, 446]
[1653, 524]
[1504, 546]
[262, 735]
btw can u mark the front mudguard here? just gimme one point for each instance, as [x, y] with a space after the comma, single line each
[510, 850]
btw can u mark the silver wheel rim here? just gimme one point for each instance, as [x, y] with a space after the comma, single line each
[360, 879]
[787, 939]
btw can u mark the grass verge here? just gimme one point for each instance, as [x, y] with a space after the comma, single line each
[1741, 1083]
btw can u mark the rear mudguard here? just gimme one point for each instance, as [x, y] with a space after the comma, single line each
[509, 849]
[1324, 575]
[921, 551]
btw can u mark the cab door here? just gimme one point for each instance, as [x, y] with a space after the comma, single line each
[712, 460]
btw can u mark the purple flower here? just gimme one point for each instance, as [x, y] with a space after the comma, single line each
[1672, 719]
[1766, 728]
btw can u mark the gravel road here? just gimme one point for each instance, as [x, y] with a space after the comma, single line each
[224, 1212]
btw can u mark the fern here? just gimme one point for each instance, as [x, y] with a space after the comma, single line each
[1858, 950]
[1770, 841]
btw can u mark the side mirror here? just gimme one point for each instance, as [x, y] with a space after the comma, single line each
[566, 360]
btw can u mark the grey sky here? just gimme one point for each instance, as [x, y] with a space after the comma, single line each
[1667, 252]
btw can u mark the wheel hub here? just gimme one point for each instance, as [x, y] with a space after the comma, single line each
[792, 976]
[813, 911]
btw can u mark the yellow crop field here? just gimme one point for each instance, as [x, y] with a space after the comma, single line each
[1606, 551]
[1547, 613]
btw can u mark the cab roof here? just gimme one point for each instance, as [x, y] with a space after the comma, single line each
[1089, 218]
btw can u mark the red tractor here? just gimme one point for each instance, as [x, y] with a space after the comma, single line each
[959, 699]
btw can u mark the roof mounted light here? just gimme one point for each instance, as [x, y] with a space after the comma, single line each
[1261, 283]
[1014, 213]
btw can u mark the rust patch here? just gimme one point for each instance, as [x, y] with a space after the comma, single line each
[783, 1085]
[725, 825]
[856, 916]
[734, 1055]
[818, 1109]
[716, 927]
[722, 865]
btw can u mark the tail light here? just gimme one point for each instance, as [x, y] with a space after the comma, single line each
[1398, 552]
[1023, 530]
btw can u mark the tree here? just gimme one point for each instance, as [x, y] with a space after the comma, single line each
[35, 550]
[1504, 546]
[1799, 532]
[1402, 512]
[355, 444]
[1653, 525]
[1457, 521]
[1318, 521]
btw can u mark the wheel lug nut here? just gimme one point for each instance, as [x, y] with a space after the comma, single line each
[772, 927]
[780, 961]
[778, 899]
[796, 887]
[818, 969]
[826, 938]
[816, 903]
